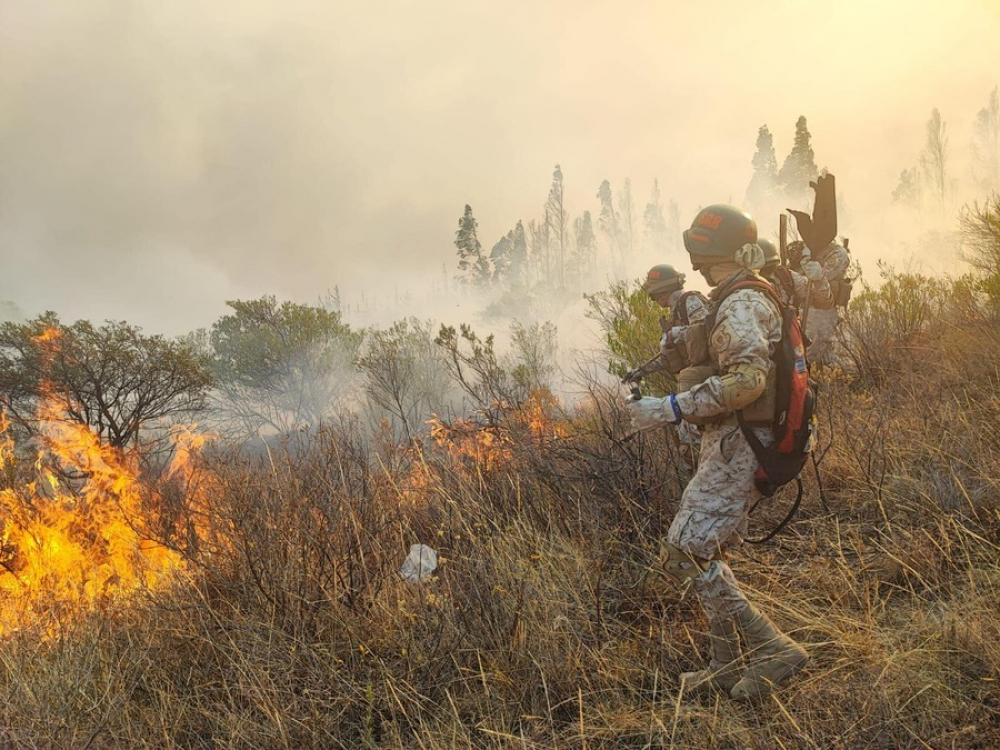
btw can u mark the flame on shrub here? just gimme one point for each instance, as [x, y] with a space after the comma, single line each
[78, 533]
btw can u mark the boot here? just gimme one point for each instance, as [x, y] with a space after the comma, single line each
[723, 667]
[774, 657]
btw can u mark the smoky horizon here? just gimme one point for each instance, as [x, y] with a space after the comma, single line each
[159, 159]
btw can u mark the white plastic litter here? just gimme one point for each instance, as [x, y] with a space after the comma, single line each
[419, 564]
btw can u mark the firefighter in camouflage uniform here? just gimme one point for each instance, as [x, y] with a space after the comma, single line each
[738, 375]
[665, 286]
[821, 326]
[809, 287]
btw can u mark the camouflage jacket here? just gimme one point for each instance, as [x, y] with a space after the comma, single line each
[795, 290]
[747, 328]
[835, 261]
[695, 309]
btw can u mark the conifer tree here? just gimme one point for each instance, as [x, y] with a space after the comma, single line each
[586, 248]
[473, 267]
[934, 158]
[607, 221]
[518, 254]
[764, 182]
[509, 255]
[538, 248]
[799, 167]
[500, 257]
[557, 221]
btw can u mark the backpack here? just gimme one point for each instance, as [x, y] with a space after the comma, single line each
[679, 313]
[795, 402]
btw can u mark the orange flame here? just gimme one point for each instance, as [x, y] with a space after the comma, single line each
[491, 447]
[79, 535]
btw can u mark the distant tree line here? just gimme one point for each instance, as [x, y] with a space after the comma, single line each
[563, 252]
[931, 183]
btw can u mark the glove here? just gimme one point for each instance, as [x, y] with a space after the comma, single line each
[649, 413]
[813, 270]
[805, 254]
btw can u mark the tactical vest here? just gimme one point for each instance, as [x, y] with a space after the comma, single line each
[679, 312]
[704, 360]
[677, 355]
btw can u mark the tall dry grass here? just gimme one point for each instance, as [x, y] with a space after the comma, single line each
[546, 624]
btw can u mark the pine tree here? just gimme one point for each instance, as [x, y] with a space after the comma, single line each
[654, 225]
[538, 248]
[799, 167]
[934, 158]
[500, 257]
[557, 221]
[586, 248]
[986, 145]
[473, 267]
[764, 182]
[607, 221]
[518, 255]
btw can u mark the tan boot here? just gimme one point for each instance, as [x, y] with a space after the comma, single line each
[774, 657]
[723, 668]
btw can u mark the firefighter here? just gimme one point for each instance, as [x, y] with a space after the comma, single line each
[821, 324]
[665, 285]
[712, 517]
[808, 288]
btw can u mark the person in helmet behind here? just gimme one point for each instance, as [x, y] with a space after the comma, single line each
[744, 327]
[821, 325]
[794, 287]
[665, 286]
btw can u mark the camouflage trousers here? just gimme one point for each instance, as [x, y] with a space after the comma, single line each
[822, 330]
[713, 514]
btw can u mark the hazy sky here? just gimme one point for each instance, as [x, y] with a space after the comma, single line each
[159, 157]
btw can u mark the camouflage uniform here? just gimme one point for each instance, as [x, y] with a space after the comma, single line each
[712, 517]
[821, 325]
[713, 511]
[798, 290]
[694, 310]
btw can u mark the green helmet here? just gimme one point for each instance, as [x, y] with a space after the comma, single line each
[662, 280]
[717, 232]
[771, 254]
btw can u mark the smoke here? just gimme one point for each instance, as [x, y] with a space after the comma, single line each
[159, 158]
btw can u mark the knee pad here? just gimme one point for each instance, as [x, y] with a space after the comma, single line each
[682, 566]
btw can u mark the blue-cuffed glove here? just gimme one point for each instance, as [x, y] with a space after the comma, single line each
[649, 413]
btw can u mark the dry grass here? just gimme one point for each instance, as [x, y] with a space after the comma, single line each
[542, 627]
